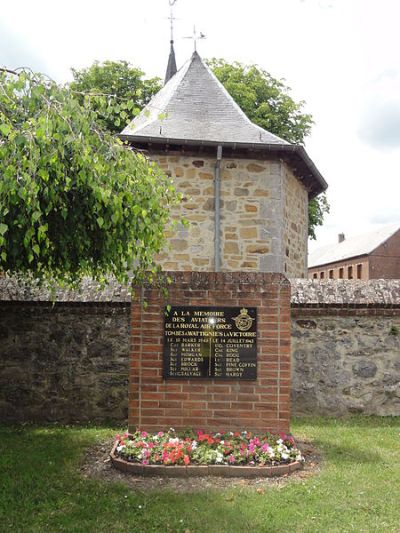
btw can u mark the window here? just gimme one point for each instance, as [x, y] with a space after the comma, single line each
[322, 275]
[331, 274]
[359, 271]
[341, 271]
[315, 275]
[350, 272]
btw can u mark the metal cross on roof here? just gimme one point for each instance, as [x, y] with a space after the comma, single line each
[196, 37]
[171, 17]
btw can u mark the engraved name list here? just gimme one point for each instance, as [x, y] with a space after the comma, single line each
[210, 342]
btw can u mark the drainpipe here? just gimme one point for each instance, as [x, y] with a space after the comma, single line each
[217, 210]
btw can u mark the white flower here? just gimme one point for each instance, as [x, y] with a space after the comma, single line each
[279, 441]
[299, 457]
[219, 457]
[285, 455]
[119, 448]
[271, 453]
[194, 445]
[222, 442]
[174, 441]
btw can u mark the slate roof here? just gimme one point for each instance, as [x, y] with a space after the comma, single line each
[352, 247]
[171, 67]
[194, 109]
[197, 107]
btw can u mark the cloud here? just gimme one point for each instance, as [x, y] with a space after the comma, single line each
[388, 216]
[17, 51]
[379, 124]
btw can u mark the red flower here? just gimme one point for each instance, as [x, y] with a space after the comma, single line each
[186, 460]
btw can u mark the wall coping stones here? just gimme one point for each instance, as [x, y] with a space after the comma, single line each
[304, 292]
[89, 291]
[345, 293]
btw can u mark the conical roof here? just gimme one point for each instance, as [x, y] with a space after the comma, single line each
[195, 105]
[171, 67]
[194, 109]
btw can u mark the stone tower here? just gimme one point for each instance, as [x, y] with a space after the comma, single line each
[246, 191]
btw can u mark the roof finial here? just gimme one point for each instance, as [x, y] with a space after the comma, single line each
[196, 37]
[171, 67]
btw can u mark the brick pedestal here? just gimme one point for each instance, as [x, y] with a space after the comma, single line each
[212, 404]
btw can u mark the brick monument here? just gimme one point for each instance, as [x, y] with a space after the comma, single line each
[260, 404]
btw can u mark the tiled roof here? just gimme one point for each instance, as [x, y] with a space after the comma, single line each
[171, 67]
[352, 247]
[195, 105]
[194, 109]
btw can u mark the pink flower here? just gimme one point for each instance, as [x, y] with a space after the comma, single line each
[186, 460]
[145, 462]
[231, 459]
[118, 437]
[160, 434]
[144, 434]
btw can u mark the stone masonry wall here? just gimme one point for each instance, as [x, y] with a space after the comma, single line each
[69, 362]
[295, 232]
[346, 347]
[255, 197]
[64, 363]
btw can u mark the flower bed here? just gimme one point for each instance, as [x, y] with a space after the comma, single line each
[142, 452]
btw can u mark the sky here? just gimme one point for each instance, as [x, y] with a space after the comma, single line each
[340, 56]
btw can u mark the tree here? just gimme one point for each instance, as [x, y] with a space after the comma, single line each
[123, 87]
[73, 200]
[266, 101]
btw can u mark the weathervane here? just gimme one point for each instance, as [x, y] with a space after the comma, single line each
[196, 37]
[171, 17]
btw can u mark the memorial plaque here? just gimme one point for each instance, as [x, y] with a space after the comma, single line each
[210, 342]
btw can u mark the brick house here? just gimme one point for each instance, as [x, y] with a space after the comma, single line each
[375, 255]
[246, 191]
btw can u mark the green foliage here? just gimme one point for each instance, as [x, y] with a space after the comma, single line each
[73, 200]
[48, 485]
[115, 90]
[317, 208]
[267, 102]
[264, 99]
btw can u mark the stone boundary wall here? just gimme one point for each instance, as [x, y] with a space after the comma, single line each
[346, 347]
[69, 362]
[64, 363]
[229, 404]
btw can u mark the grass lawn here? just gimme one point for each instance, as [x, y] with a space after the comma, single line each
[357, 489]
